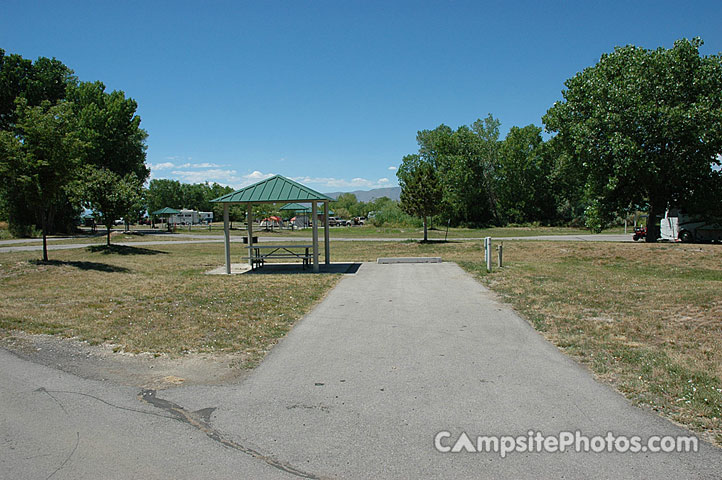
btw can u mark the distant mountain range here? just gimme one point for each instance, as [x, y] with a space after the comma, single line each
[394, 193]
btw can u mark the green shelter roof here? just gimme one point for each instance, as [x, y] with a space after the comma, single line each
[166, 211]
[295, 207]
[273, 190]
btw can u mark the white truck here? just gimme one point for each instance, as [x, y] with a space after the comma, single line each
[679, 227]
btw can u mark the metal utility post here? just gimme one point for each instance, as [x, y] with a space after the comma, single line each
[314, 216]
[249, 218]
[487, 253]
[501, 254]
[227, 238]
[326, 236]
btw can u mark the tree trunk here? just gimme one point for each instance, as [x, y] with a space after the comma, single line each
[108, 233]
[44, 221]
[651, 223]
[426, 238]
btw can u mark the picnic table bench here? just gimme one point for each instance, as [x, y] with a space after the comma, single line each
[261, 252]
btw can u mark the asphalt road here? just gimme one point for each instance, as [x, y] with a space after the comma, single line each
[358, 389]
[219, 239]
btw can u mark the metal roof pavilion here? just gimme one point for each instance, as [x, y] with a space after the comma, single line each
[166, 211]
[295, 207]
[277, 189]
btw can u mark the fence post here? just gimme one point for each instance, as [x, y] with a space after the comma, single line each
[501, 247]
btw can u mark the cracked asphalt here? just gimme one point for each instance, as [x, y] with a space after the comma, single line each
[358, 389]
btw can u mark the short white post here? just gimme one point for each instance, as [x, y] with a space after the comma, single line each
[227, 238]
[487, 253]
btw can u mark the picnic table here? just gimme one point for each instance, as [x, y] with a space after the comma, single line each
[261, 252]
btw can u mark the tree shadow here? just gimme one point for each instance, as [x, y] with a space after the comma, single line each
[124, 250]
[430, 241]
[98, 267]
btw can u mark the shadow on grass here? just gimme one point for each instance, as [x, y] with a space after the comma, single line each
[98, 267]
[297, 268]
[430, 241]
[124, 250]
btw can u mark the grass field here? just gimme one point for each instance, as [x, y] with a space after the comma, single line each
[369, 231]
[140, 234]
[153, 300]
[645, 318]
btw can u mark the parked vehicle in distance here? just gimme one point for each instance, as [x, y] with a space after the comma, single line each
[639, 233]
[358, 220]
[343, 223]
[332, 221]
[680, 227]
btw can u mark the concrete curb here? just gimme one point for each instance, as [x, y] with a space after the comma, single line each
[389, 260]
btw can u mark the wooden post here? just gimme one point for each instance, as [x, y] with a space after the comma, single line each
[326, 240]
[227, 238]
[314, 219]
[501, 248]
[249, 230]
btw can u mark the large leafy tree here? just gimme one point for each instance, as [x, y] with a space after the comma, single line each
[43, 80]
[523, 177]
[112, 128]
[644, 128]
[39, 157]
[421, 193]
[109, 195]
[464, 161]
[163, 193]
[33, 83]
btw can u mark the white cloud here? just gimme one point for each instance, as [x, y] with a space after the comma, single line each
[393, 169]
[256, 175]
[219, 175]
[336, 183]
[211, 172]
[162, 166]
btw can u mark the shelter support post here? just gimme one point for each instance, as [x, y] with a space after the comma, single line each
[227, 238]
[314, 219]
[326, 241]
[249, 219]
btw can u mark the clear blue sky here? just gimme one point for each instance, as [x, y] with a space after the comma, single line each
[332, 92]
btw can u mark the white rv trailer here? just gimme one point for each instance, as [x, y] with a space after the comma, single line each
[185, 217]
[679, 227]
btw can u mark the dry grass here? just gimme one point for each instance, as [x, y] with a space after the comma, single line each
[645, 318]
[153, 300]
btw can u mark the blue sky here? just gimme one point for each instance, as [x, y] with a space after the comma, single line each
[332, 93]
